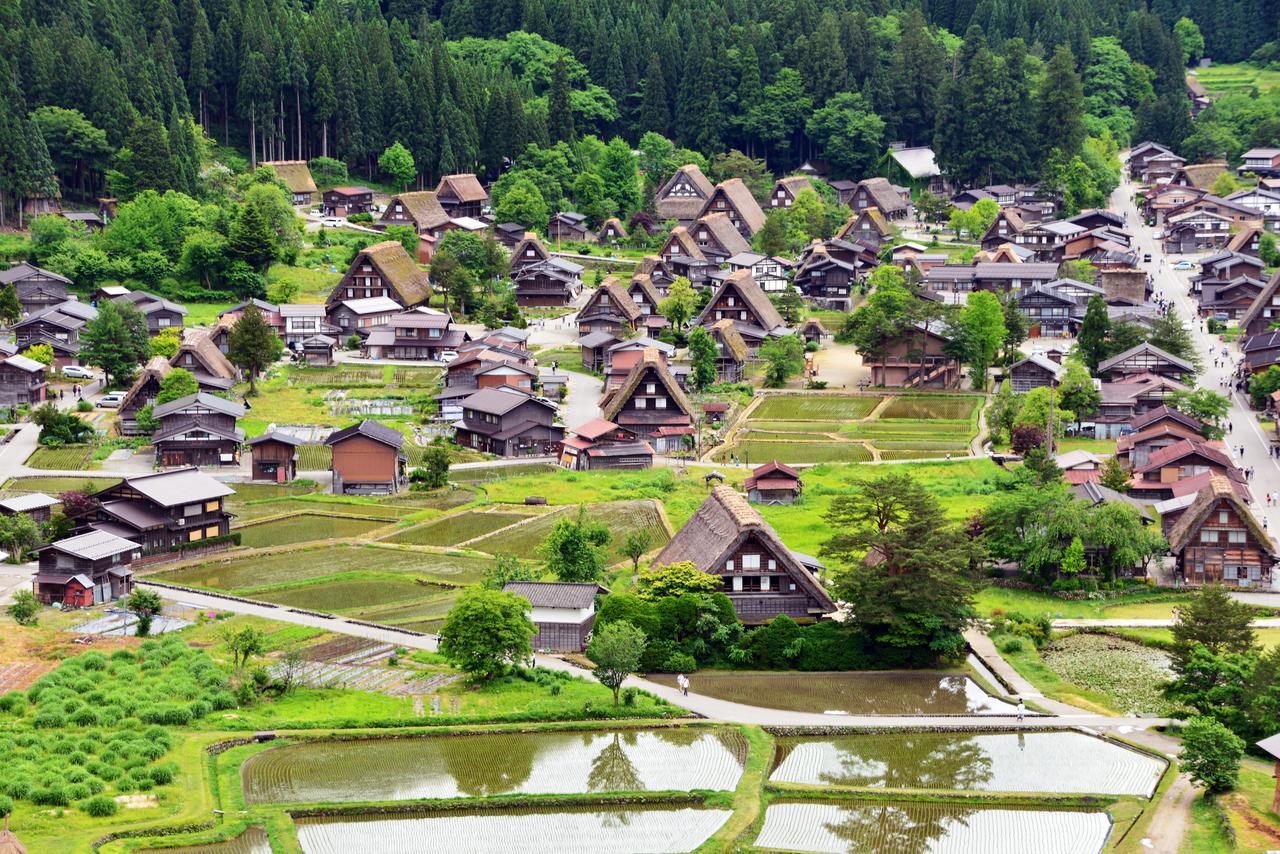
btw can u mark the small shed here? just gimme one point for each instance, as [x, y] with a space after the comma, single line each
[37, 505]
[715, 413]
[275, 456]
[774, 483]
[318, 350]
[813, 331]
[563, 612]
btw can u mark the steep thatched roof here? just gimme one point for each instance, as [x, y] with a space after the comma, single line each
[741, 283]
[1261, 301]
[464, 187]
[157, 368]
[398, 270]
[651, 358]
[1189, 523]
[723, 230]
[199, 343]
[422, 206]
[684, 208]
[739, 196]
[727, 334]
[644, 283]
[688, 247]
[872, 215]
[883, 195]
[618, 228]
[717, 527]
[296, 174]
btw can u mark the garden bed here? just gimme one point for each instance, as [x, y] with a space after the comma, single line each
[69, 457]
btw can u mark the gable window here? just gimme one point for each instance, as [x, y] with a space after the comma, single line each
[750, 562]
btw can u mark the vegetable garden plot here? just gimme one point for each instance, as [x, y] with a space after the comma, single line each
[314, 457]
[305, 527]
[1060, 762]
[931, 408]
[880, 692]
[70, 457]
[456, 529]
[936, 828]
[259, 571]
[253, 841]
[814, 407]
[542, 763]
[657, 830]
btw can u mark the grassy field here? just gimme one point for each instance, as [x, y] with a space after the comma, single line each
[286, 506]
[204, 313]
[260, 571]
[1235, 77]
[1002, 600]
[457, 528]
[305, 527]
[70, 457]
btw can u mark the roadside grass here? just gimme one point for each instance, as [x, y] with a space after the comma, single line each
[1153, 604]
[1248, 809]
[1206, 833]
[314, 282]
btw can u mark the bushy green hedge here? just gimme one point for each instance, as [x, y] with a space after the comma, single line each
[99, 724]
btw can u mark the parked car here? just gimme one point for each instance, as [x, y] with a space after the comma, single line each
[1146, 259]
[331, 222]
[1183, 265]
[76, 372]
[111, 400]
[448, 356]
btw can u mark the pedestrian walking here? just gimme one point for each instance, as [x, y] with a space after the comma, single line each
[1022, 709]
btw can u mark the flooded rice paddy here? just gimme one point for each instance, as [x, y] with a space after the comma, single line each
[889, 828]
[496, 764]
[1059, 762]
[882, 692]
[654, 830]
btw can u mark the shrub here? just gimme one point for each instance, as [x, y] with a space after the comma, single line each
[49, 719]
[1012, 645]
[77, 791]
[166, 713]
[629, 696]
[6, 805]
[163, 774]
[13, 702]
[85, 716]
[17, 788]
[679, 662]
[51, 796]
[84, 406]
[100, 806]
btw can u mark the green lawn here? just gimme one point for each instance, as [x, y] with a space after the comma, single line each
[1153, 605]
[54, 485]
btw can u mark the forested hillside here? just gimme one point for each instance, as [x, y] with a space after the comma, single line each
[113, 95]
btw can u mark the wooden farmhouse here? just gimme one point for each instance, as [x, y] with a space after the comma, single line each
[682, 255]
[718, 239]
[1142, 359]
[347, 201]
[1264, 311]
[878, 194]
[601, 444]
[785, 190]
[1006, 227]
[22, 381]
[160, 313]
[59, 326]
[651, 405]
[773, 483]
[37, 505]
[462, 195]
[1219, 541]
[740, 300]
[829, 271]
[508, 422]
[732, 352]
[1261, 351]
[684, 195]
[541, 279]
[296, 175]
[361, 316]
[275, 456]
[382, 270]
[644, 294]
[732, 198]
[1168, 469]
[1034, 372]
[198, 430]
[415, 335]
[1196, 231]
[610, 309]
[1152, 434]
[142, 394]
[368, 459]
[916, 359]
[420, 210]
[868, 227]
[162, 512]
[35, 288]
[763, 578]
[562, 612]
[569, 225]
[198, 354]
[612, 232]
[84, 570]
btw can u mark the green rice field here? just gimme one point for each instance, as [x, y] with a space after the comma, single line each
[988, 762]
[314, 457]
[563, 831]
[797, 426]
[67, 458]
[621, 517]
[457, 528]
[338, 594]
[264, 509]
[265, 491]
[304, 527]
[837, 828]
[54, 485]
[253, 841]
[478, 474]
[484, 765]
[931, 408]
[308, 564]
[758, 451]
[815, 407]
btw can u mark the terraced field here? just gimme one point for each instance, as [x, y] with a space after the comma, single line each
[931, 407]
[482, 473]
[1235, 77]
[252, 841]
[305, 527]
[567, 831]
[756, 451]
[286, 506]
[886, 826]
[457, 528]
[815, 407]
[495, 764]
[338, 594]
[258, 571]
[621, 517]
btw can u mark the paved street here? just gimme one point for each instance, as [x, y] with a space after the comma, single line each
[1176, 285]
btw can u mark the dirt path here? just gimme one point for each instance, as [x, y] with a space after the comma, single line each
[1172, 817]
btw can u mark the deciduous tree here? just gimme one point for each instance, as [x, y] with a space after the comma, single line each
[252, 345]
[486, 631]
[616, 650]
